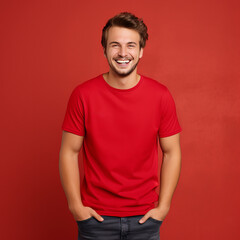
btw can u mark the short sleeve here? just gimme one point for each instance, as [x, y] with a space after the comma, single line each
[74, 117]
[169, 124]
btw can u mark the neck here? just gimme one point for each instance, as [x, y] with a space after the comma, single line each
[120, 82]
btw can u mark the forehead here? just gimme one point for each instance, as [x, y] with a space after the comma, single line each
[122, 35]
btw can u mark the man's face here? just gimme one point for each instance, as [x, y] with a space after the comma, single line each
[123, 50]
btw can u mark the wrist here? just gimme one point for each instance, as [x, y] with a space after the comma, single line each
[73, 206]
[163, 206]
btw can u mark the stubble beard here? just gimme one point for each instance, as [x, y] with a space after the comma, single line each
[124, 74]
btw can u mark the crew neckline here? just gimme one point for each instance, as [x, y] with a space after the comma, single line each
[122, 90]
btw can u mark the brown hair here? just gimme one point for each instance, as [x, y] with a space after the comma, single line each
[126, 20]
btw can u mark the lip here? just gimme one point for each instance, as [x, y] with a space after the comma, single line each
[122, 62]
[123, 65]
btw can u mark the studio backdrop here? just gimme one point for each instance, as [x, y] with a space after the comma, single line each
[49, 47]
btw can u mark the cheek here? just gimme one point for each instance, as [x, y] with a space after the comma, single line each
[111, 53]
[134, 53]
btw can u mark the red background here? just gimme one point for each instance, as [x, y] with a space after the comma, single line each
[48, 47]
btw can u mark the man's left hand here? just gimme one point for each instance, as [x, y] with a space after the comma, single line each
[158, 213]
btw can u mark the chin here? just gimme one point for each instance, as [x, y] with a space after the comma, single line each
[124, 73]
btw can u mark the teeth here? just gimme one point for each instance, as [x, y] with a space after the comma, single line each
[122, 61]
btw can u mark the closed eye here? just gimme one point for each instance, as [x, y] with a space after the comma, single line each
[114, 44]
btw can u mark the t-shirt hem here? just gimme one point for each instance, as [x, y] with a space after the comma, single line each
[122, 214]
[73, 131]
[171, 133]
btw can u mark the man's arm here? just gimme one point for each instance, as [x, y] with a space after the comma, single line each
[69, 170]
[170, 171]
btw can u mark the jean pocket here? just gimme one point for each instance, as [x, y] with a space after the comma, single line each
[85, 220]
[155, 220]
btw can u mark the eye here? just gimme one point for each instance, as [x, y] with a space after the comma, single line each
[131, 45]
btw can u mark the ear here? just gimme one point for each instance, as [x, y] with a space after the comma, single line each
[141, 53]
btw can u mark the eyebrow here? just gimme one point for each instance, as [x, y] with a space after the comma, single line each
[119, 43]
[132, 43]
[113, 43]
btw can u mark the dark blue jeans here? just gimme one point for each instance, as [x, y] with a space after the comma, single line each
[117, 228]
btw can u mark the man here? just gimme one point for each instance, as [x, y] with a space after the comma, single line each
[119, 117]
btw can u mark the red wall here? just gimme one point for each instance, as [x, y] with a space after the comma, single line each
[48, 47]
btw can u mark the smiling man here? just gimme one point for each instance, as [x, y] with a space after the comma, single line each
[119, 117]
[123, 51]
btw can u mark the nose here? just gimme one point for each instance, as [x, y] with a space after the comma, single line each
[122, 51]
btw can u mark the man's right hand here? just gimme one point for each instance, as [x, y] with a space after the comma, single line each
[82, 213]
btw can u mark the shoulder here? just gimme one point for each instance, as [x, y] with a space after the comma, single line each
[155, 86]
[87, 86]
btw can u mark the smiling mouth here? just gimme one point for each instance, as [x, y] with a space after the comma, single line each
[123, 61]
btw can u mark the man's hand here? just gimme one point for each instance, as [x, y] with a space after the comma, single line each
[158, 213]
[82, 213]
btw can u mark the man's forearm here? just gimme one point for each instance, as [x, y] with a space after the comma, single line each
[70, 179]
[170, 172]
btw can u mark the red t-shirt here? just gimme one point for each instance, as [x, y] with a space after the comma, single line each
[120, 147]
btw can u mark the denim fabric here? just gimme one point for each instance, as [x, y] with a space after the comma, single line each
[117, 228]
